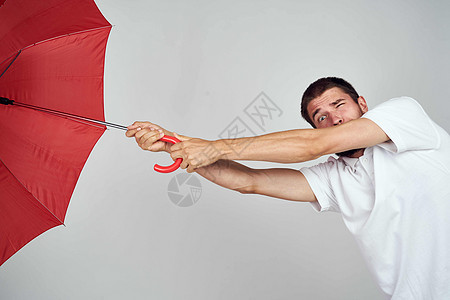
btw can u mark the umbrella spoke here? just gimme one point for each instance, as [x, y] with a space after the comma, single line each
[13, 60]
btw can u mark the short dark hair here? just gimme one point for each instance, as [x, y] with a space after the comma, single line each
[320, 86]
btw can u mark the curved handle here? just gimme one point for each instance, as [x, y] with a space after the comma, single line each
[176, 164]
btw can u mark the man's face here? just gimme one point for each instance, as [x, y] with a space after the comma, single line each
[334, 107]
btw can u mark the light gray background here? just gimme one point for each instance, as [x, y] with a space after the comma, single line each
[193, 66]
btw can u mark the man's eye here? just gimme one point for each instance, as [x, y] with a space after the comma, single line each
[340, 104]
[321, 118]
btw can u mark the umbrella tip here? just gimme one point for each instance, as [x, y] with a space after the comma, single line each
[5, 101]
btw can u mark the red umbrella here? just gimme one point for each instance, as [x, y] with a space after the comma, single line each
[52, 57]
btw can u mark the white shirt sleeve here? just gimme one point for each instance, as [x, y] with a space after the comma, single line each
[318, 178]
[406, 124]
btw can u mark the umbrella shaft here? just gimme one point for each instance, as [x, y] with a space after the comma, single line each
[65, 115]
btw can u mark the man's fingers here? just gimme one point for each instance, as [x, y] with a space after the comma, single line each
[177, 154]
[141, 132]
[138, 125]
[150, 143]
[184, 164]
[141, 124]
[181, 137]
[176, 147]
[132, 132]
[148, 138]
[191, 169]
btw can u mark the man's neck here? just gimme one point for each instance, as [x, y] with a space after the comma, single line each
[355, 153]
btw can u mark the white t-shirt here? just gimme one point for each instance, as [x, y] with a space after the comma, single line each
[395, 200]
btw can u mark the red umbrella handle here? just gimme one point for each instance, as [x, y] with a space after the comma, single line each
[176, 164]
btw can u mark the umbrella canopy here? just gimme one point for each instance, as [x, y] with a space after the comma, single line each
[51, 55]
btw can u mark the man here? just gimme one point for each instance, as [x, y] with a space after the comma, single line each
[390, 182]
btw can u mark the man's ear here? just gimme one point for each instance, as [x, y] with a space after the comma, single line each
[363, 104]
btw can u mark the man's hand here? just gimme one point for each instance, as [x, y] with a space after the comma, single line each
[195, 152]
[147, 136]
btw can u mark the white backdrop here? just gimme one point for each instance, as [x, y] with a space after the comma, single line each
[193, 67]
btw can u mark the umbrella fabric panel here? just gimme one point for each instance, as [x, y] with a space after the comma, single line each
[45, 153]
[64, 74]
[22, 218]
[52, 55]
[25, 22]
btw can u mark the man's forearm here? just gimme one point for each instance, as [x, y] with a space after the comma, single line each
[302, 145]
[290, 146]
[228, 174]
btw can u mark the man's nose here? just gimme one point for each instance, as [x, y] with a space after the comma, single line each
[337, 119]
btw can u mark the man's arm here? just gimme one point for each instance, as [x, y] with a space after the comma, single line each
[302, 145]
[280, 183]
[291, 146]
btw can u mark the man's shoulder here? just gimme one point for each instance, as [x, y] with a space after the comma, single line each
[402, 102]
[406, 123]
[394, 108]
